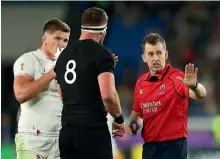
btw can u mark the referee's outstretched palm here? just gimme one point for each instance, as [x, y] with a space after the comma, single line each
[190, 77]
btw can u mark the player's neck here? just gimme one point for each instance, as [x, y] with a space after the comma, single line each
[153, 73]
[89, 36]
[50, 56]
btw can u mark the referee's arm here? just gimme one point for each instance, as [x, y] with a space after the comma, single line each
[135, 116]
[198, 93]
[189, 79]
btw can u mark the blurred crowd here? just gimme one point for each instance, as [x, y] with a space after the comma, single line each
[192, 34]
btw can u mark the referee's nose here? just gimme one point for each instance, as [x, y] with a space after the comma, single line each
[155, 57]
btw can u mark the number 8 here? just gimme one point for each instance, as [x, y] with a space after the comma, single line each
[70, 70]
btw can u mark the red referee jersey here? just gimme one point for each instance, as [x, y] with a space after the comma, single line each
[163, 105]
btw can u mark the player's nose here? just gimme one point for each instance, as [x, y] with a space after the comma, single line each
[61, 48]
[62, 44]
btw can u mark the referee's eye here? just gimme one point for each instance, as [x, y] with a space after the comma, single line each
[150, 54]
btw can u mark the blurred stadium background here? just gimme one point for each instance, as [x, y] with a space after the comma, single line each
[192, 33]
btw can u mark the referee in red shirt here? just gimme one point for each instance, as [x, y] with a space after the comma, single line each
[161, 100]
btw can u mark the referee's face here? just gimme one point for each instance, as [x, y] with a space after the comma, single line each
[155, 56]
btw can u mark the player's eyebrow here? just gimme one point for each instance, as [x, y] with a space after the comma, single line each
[58, 37]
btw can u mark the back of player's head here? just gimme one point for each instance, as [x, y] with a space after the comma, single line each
[153, 39]
[54, 25]
[94, 20]
[94, 17]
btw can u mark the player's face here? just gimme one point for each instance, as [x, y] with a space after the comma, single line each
[102, 37]
[55, 41]
[155, 56]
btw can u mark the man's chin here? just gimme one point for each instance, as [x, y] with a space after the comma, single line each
[157, 70]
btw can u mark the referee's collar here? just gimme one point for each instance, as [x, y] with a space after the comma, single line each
[159, 77]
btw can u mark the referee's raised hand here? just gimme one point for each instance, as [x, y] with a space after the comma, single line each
[190, 77]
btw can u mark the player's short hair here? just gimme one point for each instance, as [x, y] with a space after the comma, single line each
[54, 25]
[94, 17]
[153, 38]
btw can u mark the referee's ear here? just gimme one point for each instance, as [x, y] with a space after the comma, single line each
[166, 55]
[143, 58]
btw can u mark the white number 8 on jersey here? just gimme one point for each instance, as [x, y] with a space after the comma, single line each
[70, 70]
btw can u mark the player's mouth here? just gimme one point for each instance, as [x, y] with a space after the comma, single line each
[156, 65]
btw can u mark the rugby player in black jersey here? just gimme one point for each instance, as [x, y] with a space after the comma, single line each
[85, 76]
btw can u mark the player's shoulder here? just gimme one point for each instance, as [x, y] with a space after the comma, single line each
[27, 57]
[100, 49]
[174, 72]
[91, 43]
[104, 53]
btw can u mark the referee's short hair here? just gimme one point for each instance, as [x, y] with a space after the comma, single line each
[94, 17]
[54, 25]
[153, 38]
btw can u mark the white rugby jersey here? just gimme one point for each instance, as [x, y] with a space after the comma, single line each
[115, 149]
[42, 112]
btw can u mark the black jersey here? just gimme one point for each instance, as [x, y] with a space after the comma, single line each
[77, 70]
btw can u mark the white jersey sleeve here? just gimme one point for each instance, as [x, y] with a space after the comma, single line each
[24, 65]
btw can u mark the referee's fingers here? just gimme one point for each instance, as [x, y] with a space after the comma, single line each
[133, 128]
[196, 71]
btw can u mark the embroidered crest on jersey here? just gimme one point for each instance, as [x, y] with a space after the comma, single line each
[43, 71]
[162, 89]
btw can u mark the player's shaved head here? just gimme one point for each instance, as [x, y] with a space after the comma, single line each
[94, 17]
[54, 25]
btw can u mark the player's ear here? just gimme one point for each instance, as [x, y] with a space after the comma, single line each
[44, 39]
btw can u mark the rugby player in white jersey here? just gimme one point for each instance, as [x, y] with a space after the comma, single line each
[35, 89]
[115, 149]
